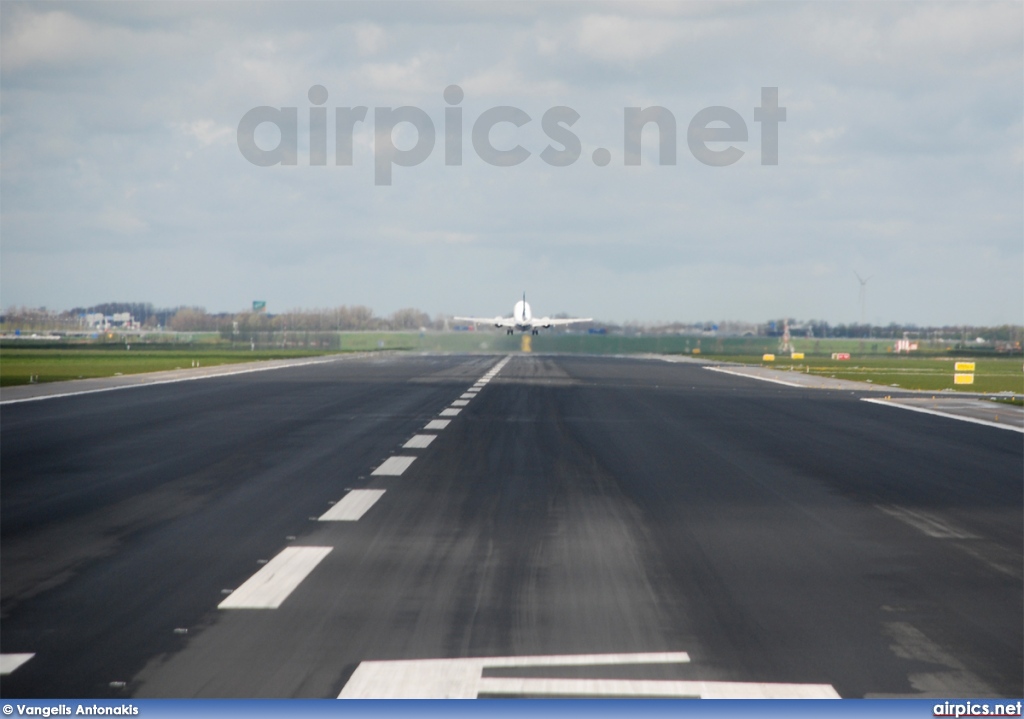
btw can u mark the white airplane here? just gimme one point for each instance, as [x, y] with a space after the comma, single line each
[522, 319]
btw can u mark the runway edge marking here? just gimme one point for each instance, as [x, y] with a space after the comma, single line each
[937, 413]
[167, 381]
[760, 379]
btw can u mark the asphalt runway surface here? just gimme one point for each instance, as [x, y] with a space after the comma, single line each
[664, 529]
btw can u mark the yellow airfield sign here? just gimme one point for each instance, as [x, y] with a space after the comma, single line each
[959, 378]
[964, 367]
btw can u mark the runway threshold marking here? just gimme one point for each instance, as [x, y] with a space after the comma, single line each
[352, 506]
[272, 584]
[394, 466]
[419, 441]
[10, 662]
[938, 413]
[757, 377]
[463, 679]
[437, 424]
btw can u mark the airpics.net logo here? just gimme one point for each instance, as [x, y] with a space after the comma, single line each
[717, 124]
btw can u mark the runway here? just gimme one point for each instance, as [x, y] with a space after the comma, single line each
[557, 525]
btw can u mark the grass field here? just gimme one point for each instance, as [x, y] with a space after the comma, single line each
[21, 360]
[926, 373]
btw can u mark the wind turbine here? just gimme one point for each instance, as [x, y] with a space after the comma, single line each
[863, 293]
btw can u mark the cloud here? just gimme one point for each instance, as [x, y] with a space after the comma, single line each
[902, 150]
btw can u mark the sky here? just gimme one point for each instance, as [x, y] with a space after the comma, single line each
[123, 176]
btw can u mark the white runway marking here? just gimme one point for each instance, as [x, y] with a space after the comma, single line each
[394, 466]
[985, 422]
[10, 662]
[352, 506]
[467, 395]
[438, 424]
[164, 381]
[757, 377]
[460, 403]
[270, 586]
[627, 688]
[463, 679]
[420, 441]
[450, 412]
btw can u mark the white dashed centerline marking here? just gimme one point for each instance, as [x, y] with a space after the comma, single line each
[352, 506]
[450, 412]
[270, 586]
[10, 662]
[420, 441]
[438, 424]
[460, 403]
[394, 466]
[467, 395]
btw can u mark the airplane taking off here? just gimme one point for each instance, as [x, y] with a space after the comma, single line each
[522, 319]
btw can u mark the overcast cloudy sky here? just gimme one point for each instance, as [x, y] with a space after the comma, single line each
[900, 158]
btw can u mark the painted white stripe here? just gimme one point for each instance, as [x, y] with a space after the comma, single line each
[467, 395]
[165, 381]
[648, 688]
[460, 678]
[420, 441]
[10, 662]
[278, 578]
[587, 660]
[463, 679]
[352, 506]
[394, 466]
[450, 412]
[460, 403]
[757, 377]
[972, 420]
[438, 424]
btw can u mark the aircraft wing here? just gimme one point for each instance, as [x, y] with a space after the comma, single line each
[549, 322]
[496, 321]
